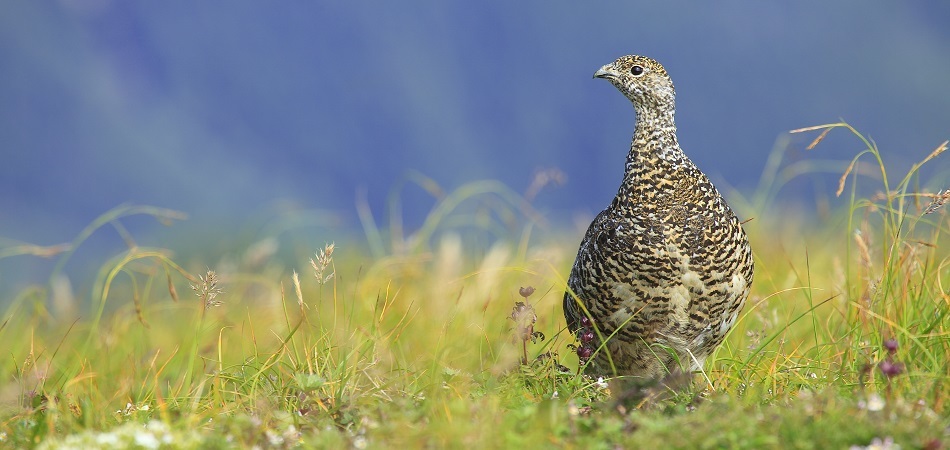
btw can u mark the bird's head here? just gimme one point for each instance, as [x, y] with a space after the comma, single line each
[641, 79]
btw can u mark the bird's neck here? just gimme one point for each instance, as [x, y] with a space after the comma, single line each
[654, 158]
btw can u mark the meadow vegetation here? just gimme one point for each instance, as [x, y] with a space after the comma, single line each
[452, 336]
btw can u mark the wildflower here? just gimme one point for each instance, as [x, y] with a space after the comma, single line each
[874, 403]
[879, 444]
[146, 440]
[273, 438]
[292, 434]
[587, 337]
[107, 439]
[524, 317]
[523, 314]
[890, 368]
[572, 409]
[584, 353]
[890, 345]
[585, 321]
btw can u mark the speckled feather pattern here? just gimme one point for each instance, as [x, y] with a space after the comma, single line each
[667, 263]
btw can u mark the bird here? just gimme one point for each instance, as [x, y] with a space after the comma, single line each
[662, 273]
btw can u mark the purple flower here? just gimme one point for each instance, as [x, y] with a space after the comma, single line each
[584, 352]
[891, 345]
[890, 368]
[586, 336]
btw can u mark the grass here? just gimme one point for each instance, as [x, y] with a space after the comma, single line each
[420, 340]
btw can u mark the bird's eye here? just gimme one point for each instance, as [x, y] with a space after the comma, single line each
[636, 71]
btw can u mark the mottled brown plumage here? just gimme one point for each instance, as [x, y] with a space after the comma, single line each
[667, 263]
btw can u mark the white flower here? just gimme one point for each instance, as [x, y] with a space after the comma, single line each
[109, 439]
[572, 408]
[879, 444]
[146, 440]
[274, 438]
[875, 402]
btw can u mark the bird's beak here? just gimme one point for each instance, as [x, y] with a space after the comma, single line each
[605, 72]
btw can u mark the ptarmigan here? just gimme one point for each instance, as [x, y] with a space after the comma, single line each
[662, 272]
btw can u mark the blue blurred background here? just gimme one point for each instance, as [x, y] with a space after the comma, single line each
[233, 110]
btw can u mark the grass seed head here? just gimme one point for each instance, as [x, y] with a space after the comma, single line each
[938, 200]
[322, 262]
[207, 289]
